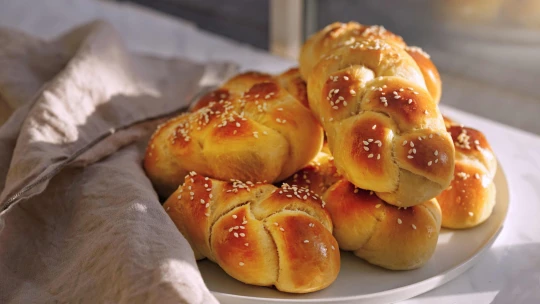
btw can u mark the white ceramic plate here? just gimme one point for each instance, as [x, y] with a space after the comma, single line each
[360, 282]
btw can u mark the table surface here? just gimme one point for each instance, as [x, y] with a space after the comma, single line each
[508, 273]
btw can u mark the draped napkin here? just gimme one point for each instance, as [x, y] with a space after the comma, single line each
[79, 220]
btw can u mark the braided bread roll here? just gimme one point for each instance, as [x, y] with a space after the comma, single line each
[252, 128]
[391, 237]
[470, 198]
[257, 233]
[383, 126]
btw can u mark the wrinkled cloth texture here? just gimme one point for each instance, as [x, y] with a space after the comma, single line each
[95, 232]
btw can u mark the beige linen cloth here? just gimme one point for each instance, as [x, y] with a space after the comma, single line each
[87, 226]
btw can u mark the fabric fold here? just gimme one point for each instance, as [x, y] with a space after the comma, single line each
[90, 228]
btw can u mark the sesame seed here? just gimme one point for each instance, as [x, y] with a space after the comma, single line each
[336, 91]
[370, 140]
[241, 264]
[437, 160]
[281, 228]
[231, 229]
[335, 107]
[207, 214]
[331, 119]
[192, 193]
[246, 244]
[242, 227]
[370, 155]
[477, 176]
[353, 92]
[413, 226]
[404, 142]
[436, 152]
[311, 225]
[410, 101]
[306, 241]
[430, 135]
[365, 142]
[276, 224]
[397, 97]
[355, 190]
[378, 156]
[399, 221]
[366, 148]
[471, 214]
[333, 248]
[236, 234]
[238, 124]
[207, 205]
[202, 201]
[374, 127]
[345, 77]
[429, 163]
[426, 112]
[410, 156]
[378, 206]
[234, 216]
[180, 196]
[280, 109]
[412, 144]
[242, 234]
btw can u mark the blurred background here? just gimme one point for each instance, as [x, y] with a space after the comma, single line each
[487, 51]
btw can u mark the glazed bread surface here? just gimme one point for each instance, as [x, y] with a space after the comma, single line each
[388, 236]
[470, 198]
[383, 125]
[252, 128]
[257, 233]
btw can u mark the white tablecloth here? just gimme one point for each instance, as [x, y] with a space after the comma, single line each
[508, 273]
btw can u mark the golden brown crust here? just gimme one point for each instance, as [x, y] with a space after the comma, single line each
[252, 128]
[391, 237]
[258, 234]
[364, 85]
[470, 198]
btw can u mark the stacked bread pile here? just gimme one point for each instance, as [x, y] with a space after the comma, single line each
[251, 187]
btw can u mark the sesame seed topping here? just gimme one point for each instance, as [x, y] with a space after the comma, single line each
[276, 224]
[365, 142]
[241, 264]
[234, 216]
[429, 163]
[410, 156]
[345, 77]
[378, 156]
[404, 142]
[353, 92]
[374, 127]
[436, 152]
[192, 193]
[437, 160]
[410, 101]
[378, 206]
[355, 190]
[235, 234]
[202, 201]
[246, 244]
[311, 225]
[412, 144]
[366, 148]
[413, 226]
[281, 228]
[207, 205]
[180, 196]
[370, 155]
[306, 241]
[399, 221]
[333, 248]
[477, 176]
[471, 214]
[242, 234]
[207, 214]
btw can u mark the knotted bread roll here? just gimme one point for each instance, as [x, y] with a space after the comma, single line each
[470, 198]
[258, 234]
[252, 128]
[383, 126]
[388, 236]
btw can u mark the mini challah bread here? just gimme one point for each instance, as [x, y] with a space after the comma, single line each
[252, 128]
[391, 237]
[258, 234]
[383, 126]
[470, 198]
